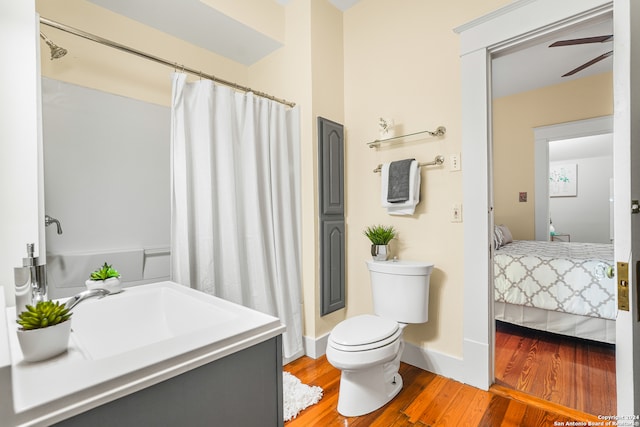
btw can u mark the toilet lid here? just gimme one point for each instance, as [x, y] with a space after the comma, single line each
[363, 333]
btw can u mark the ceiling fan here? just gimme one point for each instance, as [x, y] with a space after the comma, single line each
[586, 40]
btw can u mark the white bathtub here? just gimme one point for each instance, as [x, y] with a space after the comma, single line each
[126, 342]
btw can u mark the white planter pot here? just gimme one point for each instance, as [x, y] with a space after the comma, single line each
[113, 284]
[44, 343]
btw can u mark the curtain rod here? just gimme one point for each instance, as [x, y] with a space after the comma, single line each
[148, 56]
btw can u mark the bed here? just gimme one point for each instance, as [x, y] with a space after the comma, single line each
[558, 287]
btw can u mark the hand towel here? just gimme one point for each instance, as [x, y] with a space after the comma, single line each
[408, 207]
[399, 177]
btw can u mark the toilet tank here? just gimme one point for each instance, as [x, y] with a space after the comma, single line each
[401, 290]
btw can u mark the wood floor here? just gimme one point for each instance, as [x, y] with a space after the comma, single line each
[571, 372]
[428, 400]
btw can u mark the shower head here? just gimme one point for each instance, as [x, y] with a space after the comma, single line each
[56, 51]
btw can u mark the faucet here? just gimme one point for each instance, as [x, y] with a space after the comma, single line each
[48, 220]
[89, 293]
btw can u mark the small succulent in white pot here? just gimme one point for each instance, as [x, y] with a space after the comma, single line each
[44, 330]
[105, 277]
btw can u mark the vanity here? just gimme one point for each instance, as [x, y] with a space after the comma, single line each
[160, 354]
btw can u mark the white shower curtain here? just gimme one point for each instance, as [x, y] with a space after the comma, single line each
[235, 215]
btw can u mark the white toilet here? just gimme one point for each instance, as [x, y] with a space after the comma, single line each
[367, 348]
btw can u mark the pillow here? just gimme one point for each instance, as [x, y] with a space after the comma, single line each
[507, 237]
[498, 237]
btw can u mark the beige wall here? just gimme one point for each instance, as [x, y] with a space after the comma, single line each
[401, 62]
[380, 58]
[514, 118]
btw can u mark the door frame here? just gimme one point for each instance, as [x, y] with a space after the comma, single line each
[516, 23]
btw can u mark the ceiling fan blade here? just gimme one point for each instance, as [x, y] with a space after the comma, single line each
[588, 64]
[571, 42]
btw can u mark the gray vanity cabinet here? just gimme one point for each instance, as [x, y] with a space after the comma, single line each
[243, 389]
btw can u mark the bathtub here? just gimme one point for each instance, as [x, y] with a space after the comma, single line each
[160, 341]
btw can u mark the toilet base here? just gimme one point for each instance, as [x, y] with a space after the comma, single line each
[364, 391]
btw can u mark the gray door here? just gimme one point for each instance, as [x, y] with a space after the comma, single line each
[331, 202]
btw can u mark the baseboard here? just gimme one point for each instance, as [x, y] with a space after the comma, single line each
[478, 369]
[316, 347]
[433, 361]
[429, 360]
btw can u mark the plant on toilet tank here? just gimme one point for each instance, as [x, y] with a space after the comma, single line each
[105, 277]
[380, 236]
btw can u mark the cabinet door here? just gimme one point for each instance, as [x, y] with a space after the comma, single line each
[331, 166]
[332, 262]
[331, 221]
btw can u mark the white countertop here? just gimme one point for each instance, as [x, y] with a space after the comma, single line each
[81, 379]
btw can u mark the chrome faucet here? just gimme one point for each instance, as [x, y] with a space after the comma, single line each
[89, 293]
[48, 220]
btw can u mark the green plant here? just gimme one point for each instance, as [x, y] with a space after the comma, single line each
[45, 313]
[103, 273]
[380, 234]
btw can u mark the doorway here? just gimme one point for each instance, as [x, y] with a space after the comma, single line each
[558, 355]
[546, 344]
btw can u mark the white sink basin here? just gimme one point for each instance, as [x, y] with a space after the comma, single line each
[125, 342]
[139, 317]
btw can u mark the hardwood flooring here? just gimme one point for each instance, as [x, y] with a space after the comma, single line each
[428, 399]
[579, 374]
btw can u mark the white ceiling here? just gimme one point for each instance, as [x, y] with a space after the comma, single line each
[538, 66]
[519, 70]
[340, 4]
[198, 24]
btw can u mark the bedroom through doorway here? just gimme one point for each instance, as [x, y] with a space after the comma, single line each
[552, 170]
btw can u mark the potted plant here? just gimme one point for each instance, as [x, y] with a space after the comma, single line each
[380, 236]
[44, 330]
[105, 277]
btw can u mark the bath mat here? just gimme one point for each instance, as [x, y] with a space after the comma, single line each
[297, 396]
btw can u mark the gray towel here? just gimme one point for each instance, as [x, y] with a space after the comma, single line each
[398, 191]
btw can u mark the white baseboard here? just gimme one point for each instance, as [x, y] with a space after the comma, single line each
[429, 360]
[433, 361]
[478, 370]
[316, 347]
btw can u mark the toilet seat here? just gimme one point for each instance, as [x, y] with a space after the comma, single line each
[365, 332]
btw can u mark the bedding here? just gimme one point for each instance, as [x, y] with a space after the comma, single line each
[557, 276]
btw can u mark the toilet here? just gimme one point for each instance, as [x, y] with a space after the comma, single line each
[367, 348]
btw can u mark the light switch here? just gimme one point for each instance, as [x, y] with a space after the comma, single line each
[454, 160]
[456, 213]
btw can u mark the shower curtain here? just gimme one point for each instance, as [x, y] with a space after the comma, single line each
[235, 192]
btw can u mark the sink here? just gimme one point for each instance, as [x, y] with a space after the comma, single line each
[125, 342]
[139, 317]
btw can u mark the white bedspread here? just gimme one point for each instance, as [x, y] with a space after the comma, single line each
[559, 276]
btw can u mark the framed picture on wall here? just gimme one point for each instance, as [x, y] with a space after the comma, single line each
[563, 180]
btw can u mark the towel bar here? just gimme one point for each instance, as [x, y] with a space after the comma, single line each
[440, 131]
[437, 161]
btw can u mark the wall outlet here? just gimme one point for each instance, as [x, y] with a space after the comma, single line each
[454, 161]
[456, 213]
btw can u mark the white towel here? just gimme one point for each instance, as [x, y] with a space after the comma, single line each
[404, 208]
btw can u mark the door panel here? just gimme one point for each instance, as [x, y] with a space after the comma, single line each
[626, 143]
